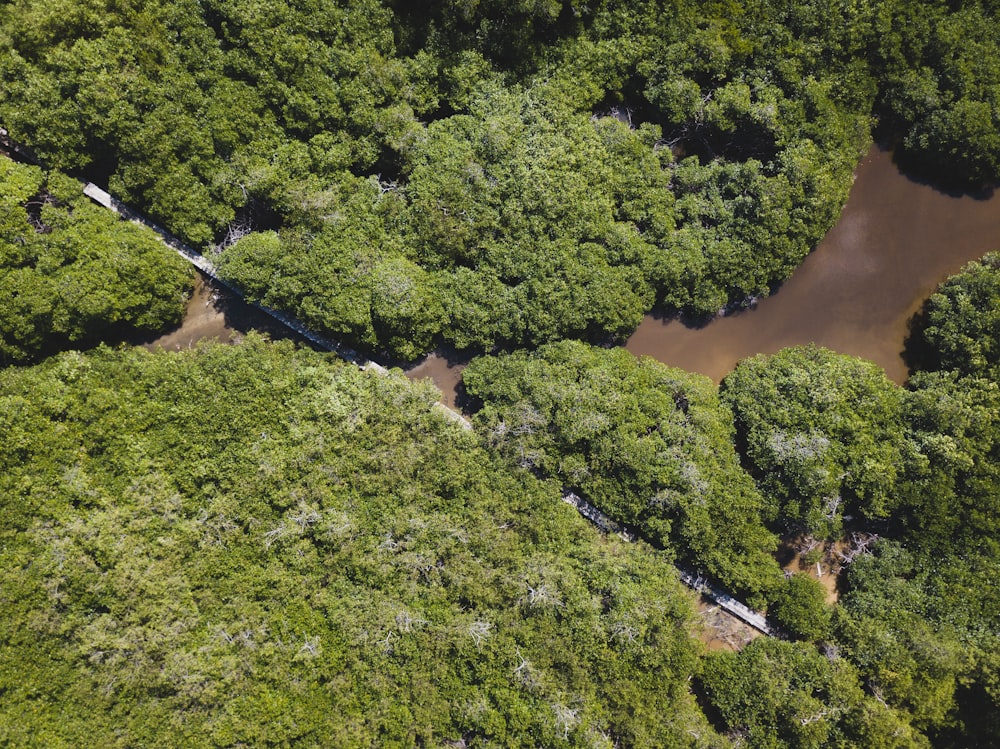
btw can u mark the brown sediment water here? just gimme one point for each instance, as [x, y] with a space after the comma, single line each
[895, 241]
[445, 372]
[215, 313]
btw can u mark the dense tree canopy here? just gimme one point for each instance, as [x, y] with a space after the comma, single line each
[920, 616]
[778, 694]
[648, 444]
[953, 489]
[255, 546]
[491, 173]
[959, 327]
[249, 546]
[494, 174]
[920, 625]
[522, 173]
[940, 63]
[822, 433]
[483, 194]
[72, 273]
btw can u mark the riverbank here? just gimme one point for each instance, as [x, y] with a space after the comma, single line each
[896, 240]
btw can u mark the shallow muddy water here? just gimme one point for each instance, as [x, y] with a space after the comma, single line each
[215, 313]
[895, 241]
[855, 293]
[446, 372]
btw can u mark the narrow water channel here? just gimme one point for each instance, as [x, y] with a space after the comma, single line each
[215, 313]
[855, 293]
[895, 241]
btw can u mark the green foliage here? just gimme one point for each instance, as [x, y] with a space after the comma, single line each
[940, 65]
[469, 241]
[822, 433]
[518, 218]
[920, 617]
[778, 694]
[249, 546]
[799, 608]
[509, 33]
[917, 626]
[649, 445]
[518, 215]
[174, 101]
[953, 488]
[254, 547]
[72, 273]
[487, 190]
[959, 326]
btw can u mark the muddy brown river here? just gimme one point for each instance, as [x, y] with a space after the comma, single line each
[215, 313]
[895, 241]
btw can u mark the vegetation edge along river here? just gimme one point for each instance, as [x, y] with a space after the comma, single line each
[896, 239]
[729, 604]
[254, 545]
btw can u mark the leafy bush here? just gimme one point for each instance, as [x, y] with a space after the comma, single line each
[72, 273]
[649, 445]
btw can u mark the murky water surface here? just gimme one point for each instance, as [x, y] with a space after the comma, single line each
[213, 312]
[444, 371]
[895, 241]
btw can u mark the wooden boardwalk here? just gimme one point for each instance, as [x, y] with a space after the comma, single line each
[693, 580]
[203, 264]
[737, 608]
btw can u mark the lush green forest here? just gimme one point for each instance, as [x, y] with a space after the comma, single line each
[248, 546]
[71, 273]
[652, 446]
[252, 546]
[258, 546]
[494, 174]
[831, 450]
